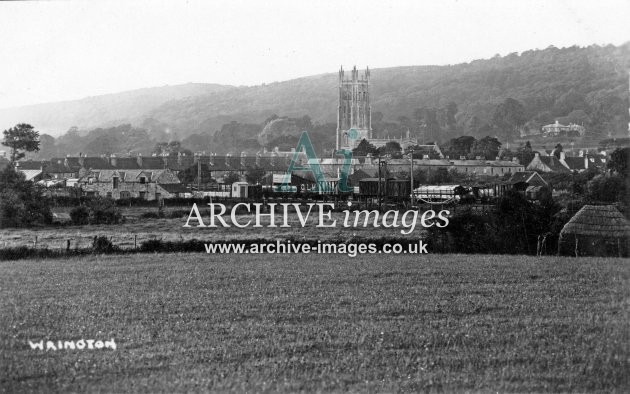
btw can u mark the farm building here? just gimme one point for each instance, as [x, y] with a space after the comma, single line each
[596, 230]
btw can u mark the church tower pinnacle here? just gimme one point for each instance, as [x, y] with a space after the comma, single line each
[354, 113]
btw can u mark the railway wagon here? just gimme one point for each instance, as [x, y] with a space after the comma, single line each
[399, 189]
[390, 188]
[440, 193]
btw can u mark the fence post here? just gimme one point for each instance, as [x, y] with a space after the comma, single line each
[67, 245]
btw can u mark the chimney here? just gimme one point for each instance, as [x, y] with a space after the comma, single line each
[258, 159]
[498, 158]
[516, 160]
[179, 159]
[65, 162]
[586, 162]
[139, 160]
[81, 159]
[112, 160]
[227, 159]
[243, 156]
[536, 155]
[462, 158]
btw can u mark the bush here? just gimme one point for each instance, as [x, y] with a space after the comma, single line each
[80, 215]
[102, 245]
[12, 210]
[104, 211]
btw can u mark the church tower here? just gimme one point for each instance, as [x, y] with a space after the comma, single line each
[354, 111]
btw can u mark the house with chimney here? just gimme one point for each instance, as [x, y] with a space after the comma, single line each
[566, 164]
[547, 164]
[128, 177]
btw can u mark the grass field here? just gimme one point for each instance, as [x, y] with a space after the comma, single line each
[193, 322]
[137, 230]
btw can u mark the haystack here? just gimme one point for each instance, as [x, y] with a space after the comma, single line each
[596, 230]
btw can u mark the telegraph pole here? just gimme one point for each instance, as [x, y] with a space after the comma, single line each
[199, 175]
[379, 183]
[380, 189]
[412, 196]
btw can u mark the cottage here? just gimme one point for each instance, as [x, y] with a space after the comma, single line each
[547, 164]
[138, 183]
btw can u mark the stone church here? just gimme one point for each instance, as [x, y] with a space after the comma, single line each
[354, 113]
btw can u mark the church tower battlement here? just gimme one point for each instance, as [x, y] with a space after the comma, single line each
[354, 110]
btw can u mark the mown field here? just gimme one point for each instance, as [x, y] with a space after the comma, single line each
[196, 322]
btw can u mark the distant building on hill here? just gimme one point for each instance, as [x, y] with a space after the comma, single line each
[555, 129]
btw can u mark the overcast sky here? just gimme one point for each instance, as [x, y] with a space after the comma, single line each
[52, 51]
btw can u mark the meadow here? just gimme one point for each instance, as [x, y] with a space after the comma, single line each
[287, 323]
[137, 229]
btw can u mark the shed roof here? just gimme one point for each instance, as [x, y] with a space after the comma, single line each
[598, 220]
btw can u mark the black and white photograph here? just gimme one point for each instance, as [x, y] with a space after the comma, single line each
[365, 196]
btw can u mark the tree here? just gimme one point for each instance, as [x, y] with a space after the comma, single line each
[451, 111]
[620, 161]
[439, 176]
[419, 177]
[556, 151]
[508, 117]
[392, 148]
[21, 202]
[255, 175]
[172, 148]
[104, 144]
[487, 147]
[427, 121]
[21, 139]
[525, 154]
[230, 178]
[608, 189]
[364, 148]
[47, 148]
[461, 146]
